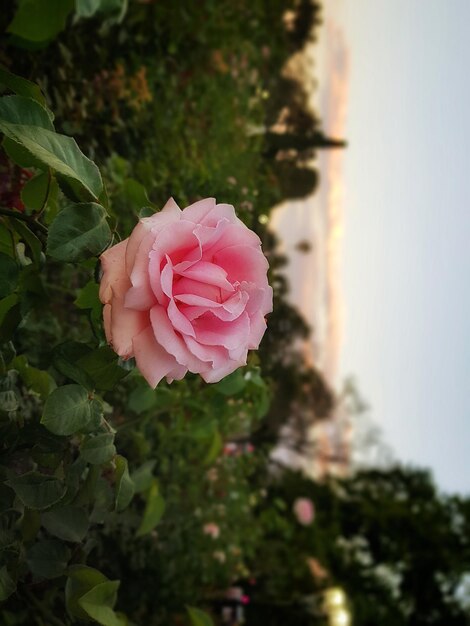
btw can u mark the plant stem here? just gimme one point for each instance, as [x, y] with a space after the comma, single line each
[29, 219]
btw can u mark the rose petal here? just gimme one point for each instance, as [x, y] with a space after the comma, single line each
[260, 298]
[257, 330]
[107, 322]
[114, 272]
[219, 212]
[214, 332]
[208, 273]
[234, 235]
[187, 285]
[170, 213]
[243, 263]
[167, 278]
[209, 235]
[178, 242]
[217, 355]
[198, 210]
[152, 359]
[239, 354]
[216, 374]
[179, 321]
[166, 336]
[177, 373]
[125, 324]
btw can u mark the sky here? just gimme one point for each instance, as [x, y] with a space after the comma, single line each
[405, 269]
[386, 284]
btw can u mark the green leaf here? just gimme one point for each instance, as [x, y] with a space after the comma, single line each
[154, 509]
[198, 617]
[124, 485]
[67, 410]
[39, 21]
[143, 477]
[142, 399]
[10, 317]
[98, 603]
[214, 449]
[78, 232]
[9, 273]
[48, 558]
[87, 8]
[88, 296]
[34, 193]
[135, 195]
[69, 523]
[37, 380]
[65, 357]
[30, 525]
[81, 579]
[30, 240]
[19, 155]
[7, 584]
[22, 87]
[37, 491]
[102, 367]
[18, 110]
[231, 384]
[25, 122]
[98, 449]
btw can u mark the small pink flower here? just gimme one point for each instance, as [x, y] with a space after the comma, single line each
[211, 529]
[187, 291]
[304, 511]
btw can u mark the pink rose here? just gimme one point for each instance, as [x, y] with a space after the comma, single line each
[186, 291]
[211, 529]
[304, 511]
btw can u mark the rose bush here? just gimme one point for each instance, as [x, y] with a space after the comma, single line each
[188, 290]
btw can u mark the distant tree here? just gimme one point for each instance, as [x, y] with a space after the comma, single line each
[300, 142]
[295, 181]
[402, 549]
[305, 23]
[398, 548]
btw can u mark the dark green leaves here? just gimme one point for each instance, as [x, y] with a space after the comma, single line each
[39, 21]
[101, 365]
[89, 594]
[81, 579]
[21, 86]
[98, 449]
[7, 585]
[68, 410]
[18, 110]
[69, 523]
[78, 232]
[34, 193]
[198, 617]
[9, 273]
[37, 491]
[154, 509]
[48, 558]
[27, 123]
[124, 485]
[98, 603]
